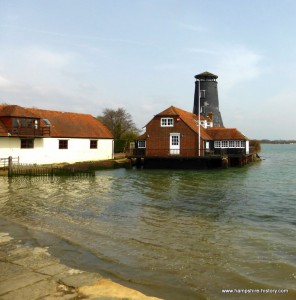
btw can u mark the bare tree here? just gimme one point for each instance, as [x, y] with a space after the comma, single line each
[119, 122]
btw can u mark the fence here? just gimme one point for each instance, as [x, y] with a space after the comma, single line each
[15, 168]
[36, 170]
[4, 162]
[183, 152]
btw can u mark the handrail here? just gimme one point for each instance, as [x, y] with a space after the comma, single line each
[190, 152]
[29, 131]
[4, 161]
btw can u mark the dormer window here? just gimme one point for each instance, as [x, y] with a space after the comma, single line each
[167, 122]
[23, 122]
[47, 122]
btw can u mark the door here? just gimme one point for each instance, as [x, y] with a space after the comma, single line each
[175, 143]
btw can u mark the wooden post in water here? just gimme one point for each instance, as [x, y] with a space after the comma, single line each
[225, 162]
[10, 166]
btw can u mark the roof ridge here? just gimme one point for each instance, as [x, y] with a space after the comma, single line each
[58, 111]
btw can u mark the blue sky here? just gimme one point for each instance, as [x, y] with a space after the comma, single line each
[87, 55]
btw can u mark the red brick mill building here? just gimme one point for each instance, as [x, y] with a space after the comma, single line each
[176, 138]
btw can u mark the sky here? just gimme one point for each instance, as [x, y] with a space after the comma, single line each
[142, 55]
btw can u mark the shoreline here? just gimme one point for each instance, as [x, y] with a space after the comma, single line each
[31, 272]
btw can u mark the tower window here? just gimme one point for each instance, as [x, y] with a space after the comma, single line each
[202, 93]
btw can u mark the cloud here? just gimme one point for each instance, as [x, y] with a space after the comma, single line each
[238, 64]
[201, 50]
[86, 37]
[190, 27]
[35, 65]
[168, 66]
[49, 58]
[4, 82]
[33, 72]
[41, 58]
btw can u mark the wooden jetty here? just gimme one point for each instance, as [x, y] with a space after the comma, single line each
[206, 161]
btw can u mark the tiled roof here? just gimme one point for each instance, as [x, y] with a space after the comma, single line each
[171, 111]
[175, 111]
[16, 111]
[221, 133]
[63, 124]
[189, 118]
[142, 136]
[211, 133]
[67, 124]
[3, 130]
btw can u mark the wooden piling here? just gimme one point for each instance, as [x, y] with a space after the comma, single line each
[10, 166]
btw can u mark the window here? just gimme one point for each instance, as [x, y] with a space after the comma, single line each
[167, 122]
[27, 143]
[217, 144]
[47, 122]
[141, 144]
[93, 144]
[175, 140]
[224, 144]
[231, 144]
[63, 144]
[23, 123]
[202, 93]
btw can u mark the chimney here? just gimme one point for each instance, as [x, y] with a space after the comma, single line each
[211, 117]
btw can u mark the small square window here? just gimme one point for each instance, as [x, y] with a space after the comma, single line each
[224, 144]
[27, 143]
[217, 144]
[63, 144]
[167, 122]
[141, 144]
[93, 144]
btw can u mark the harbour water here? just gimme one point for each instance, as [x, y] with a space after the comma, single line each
[171, 234]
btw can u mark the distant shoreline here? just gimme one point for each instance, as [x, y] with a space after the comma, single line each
[277, 141]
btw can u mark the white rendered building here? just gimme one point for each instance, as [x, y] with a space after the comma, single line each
[45, 136]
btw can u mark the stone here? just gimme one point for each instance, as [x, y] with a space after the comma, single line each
[53, 269]
[9, 270]
[79, 280]
[36, 261]
[34, 291]
[20, 281]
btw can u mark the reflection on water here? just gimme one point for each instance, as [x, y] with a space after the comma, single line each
[179, 234]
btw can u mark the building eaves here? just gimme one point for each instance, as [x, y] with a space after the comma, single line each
[221, 133]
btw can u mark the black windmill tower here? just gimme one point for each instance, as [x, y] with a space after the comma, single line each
[206, 88]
